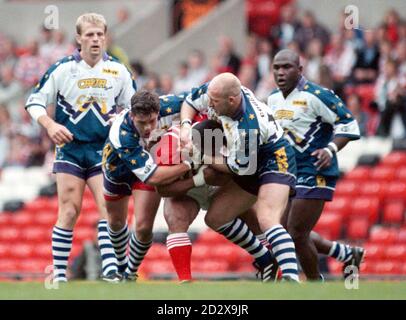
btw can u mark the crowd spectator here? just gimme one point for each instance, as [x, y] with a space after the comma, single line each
[282, 34]
[229, 60]
[181, 81]
[31, 66]
[355, 106]
[390, 97]
[198, 71]
[366, 65]
[310, 29]
[314, 58]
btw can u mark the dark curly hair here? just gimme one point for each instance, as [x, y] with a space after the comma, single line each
[144, 102]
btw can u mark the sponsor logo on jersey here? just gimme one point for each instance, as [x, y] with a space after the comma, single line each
[110, 71]
[92, 83]
[302, 103]
[284, 114]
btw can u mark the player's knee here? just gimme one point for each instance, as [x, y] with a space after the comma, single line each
[143, 232]
[176, 223]
[68, 215]
[299, 236]
[212, 222]
[117, 225]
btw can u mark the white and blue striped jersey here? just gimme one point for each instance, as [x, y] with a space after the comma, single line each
[311, 117]
[85, 97]
[251, 130]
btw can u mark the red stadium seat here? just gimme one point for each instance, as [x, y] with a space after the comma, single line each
[340, 205]
[360, 173]
[84, 233]
[8, 265]
[22, 220]
[396, 253]
[382, 235]
[393, 212]
[388, 267]
[157, 267]
[245, 268]
[381, 173]
[45, 218]
[365, 207]
[367, 267]
[373, 189]
[394, 159]
[211, 237]
[401, 174]
[228, 252]
[9, 235]
[374, 251]
[200, 251]
[333, 222]
[403, 271]
[396, 191]
[157, 251]
[88, 206]
[36, 234]
[346, 188]
[358, 228]
[402, 236]
[41, 204]
[88, 219]
[22, 251]
[33, 265]
[367, 94]
[5, 250]
[5, 219]
[43, 250]
[335, 267]
[210, 266]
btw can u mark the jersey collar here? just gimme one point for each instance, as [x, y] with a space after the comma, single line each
[241, 110]
[78, 58]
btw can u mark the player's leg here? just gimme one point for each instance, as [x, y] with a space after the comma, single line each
[95, 184]
[179, 213]
[228, 203]
[146, 204]
[272, 201]
[117, 208]
[250, 218]
[349, 255]
[303, 216]
[70, 191]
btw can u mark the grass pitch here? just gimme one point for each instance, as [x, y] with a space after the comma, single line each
[203, 290]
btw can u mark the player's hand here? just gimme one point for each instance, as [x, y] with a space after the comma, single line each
[185, 137]
[194, 157]
[214, 177]
[112, 117]
[323, 158]
[59, 134]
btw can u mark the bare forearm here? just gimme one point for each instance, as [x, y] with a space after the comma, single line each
[45, 121]
[177, 188]
[164, 175]
[187, 112]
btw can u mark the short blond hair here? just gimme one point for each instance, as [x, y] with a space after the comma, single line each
[93, 18]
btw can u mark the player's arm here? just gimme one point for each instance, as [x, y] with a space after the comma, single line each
[345, 126]
[186, 115]
[205, 175]
[44, 94]
[167, 174]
